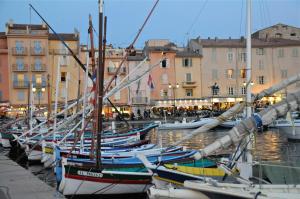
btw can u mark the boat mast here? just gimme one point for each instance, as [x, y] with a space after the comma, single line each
[100, 75]
[246, 172]
[49, 100]
[56, 96]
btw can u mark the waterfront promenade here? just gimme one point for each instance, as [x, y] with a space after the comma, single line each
[18, 183]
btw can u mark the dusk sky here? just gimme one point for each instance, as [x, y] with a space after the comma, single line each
[176, 20]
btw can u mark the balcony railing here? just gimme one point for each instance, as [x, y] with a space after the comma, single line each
[21, 84]
[112, 70]
[38, 68]
[189, 84]
[19, 68]
[37, 52]
[139, 100]
[19, 51]
[62, 51]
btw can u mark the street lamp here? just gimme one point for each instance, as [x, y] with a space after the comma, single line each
[174, 94]
[39, 91]
[251, 83]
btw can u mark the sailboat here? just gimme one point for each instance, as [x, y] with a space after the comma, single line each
[246, 186]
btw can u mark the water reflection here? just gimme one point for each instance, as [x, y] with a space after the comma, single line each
[270, 145]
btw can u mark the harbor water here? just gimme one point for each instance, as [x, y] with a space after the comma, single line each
[270, 145]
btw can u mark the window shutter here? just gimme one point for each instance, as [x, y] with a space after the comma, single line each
[183, 62]
[191, 62]
[43, 81]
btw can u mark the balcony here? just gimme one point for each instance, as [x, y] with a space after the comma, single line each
[112, 70]
[19, 51]
[38, 68]
[37, 51]
[21, 84]
[189, 84]
[139, 100]
[62, 51]
[20, 68]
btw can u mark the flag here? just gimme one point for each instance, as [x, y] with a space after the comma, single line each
[150, 82]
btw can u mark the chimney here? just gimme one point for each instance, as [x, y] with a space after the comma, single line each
[216, 38]
[10, 22]
[242, 38]
[208, 38]
[229, 38]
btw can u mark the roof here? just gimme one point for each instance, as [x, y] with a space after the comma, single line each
[187, 54]
[241, 43]
[279, 24]
[24, 26]
[64, 36]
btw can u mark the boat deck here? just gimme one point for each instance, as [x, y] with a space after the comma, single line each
[19, 183]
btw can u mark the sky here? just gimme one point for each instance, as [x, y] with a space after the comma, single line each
[176, 20]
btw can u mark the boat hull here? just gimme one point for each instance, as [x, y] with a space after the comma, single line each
[84, 181]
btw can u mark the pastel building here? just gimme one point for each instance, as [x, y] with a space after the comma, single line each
[4, 70]
[32, 59]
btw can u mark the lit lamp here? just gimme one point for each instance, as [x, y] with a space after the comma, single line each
[39, 92]
[251, 83]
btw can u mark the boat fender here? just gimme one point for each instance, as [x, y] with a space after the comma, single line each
[258, 120]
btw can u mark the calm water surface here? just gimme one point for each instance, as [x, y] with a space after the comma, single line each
[270, 145]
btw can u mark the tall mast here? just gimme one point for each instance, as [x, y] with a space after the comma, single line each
[49, 100]
[100, 75]
[248, 60]
[246, 170]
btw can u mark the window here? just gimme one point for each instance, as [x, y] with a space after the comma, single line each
[64, 60]
[280, 52]
[214, 74]
[20, 63]
[164, 93]
[243, 57]
[0, 96]
[189, 92]
[243, 73]
[229, 57]
[284, 74]
[261, 64]
[164, 78]
[37, 47]
[229, 73]
[293, 34]
[19, 47]
[188, 77]
[260, 51]
[243, 90]
[215, 89]
[164, 63]
[38, 64]
[278, 35]
[21, 96]
[295, 52]
[213, 55]
[230, 90]
[261, 80]
[63, 76]
[187, 62]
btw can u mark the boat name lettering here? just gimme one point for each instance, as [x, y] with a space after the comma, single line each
[91, 174]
